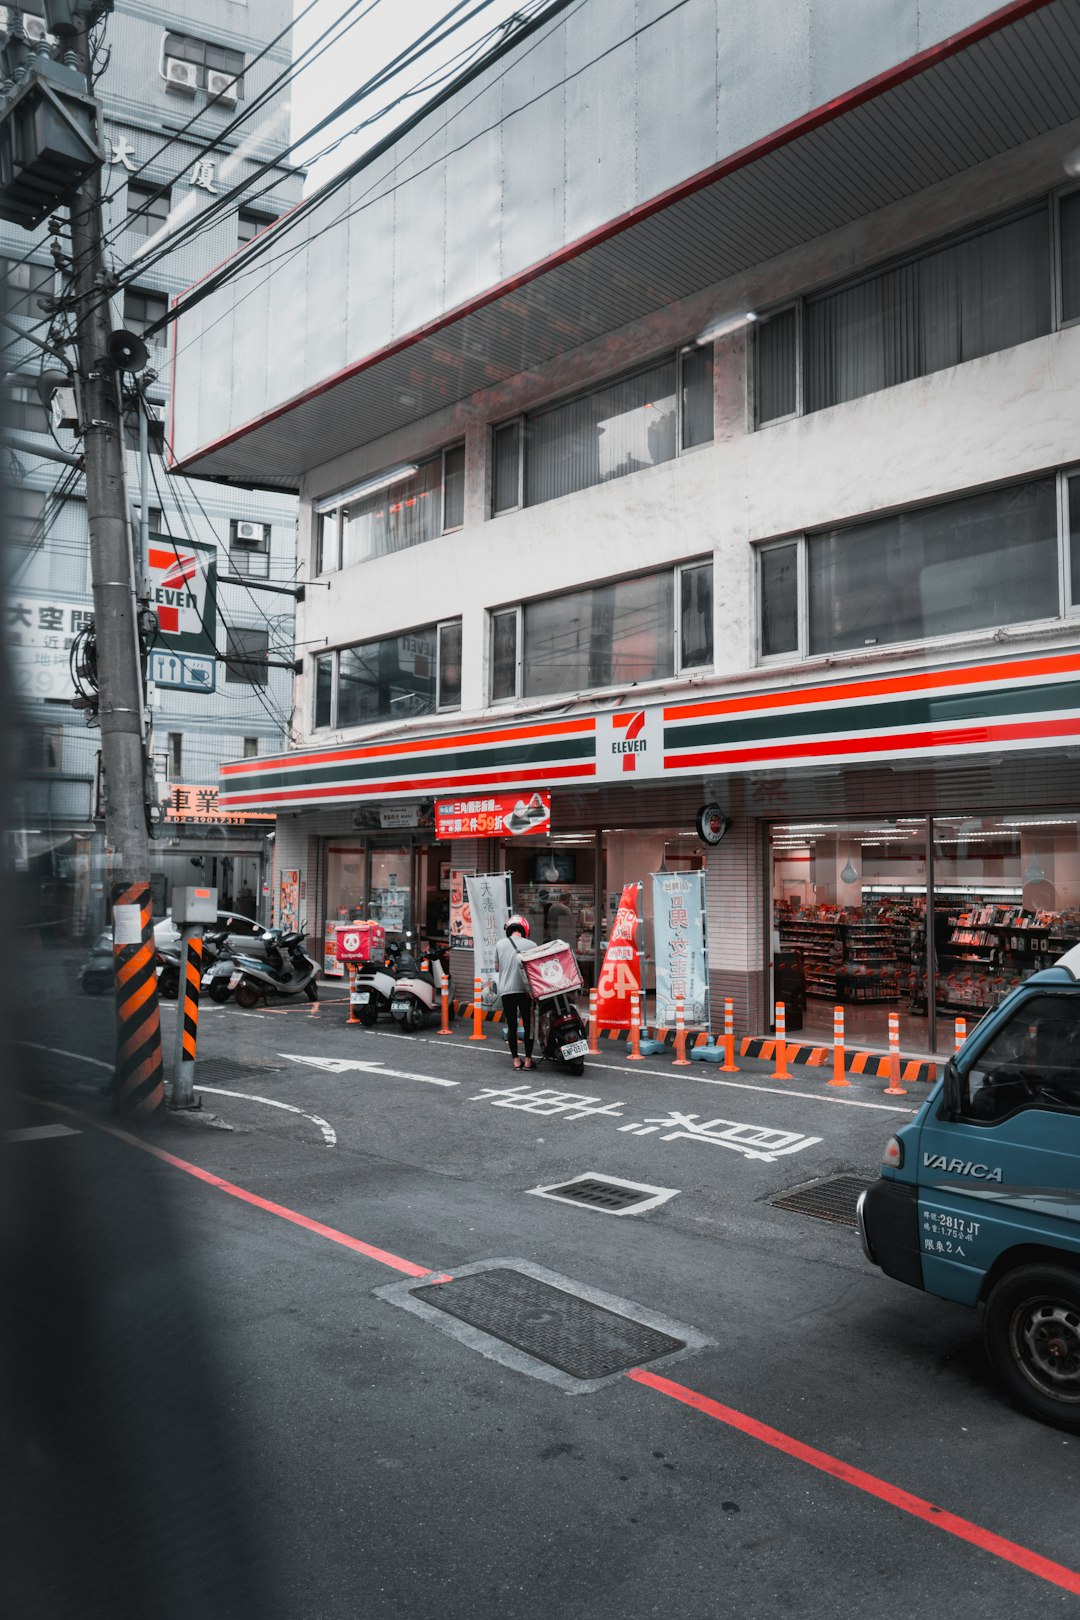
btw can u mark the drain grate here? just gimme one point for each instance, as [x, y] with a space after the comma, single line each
[608, 1194]
[212, 1070]
[561, 1329]
[831, 1199]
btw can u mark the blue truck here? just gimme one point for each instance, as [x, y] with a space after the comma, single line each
[979, 1196]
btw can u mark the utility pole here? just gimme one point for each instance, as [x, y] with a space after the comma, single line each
[139, 1083]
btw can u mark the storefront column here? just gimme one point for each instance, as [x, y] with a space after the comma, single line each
[735, 902]
[474, 856]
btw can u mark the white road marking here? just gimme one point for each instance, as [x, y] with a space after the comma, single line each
[344, 1065]
[59, 1051]
[329, 1134]
[34, 1133]
[665, 1074]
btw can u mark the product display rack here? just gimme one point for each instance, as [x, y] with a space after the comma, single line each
[817, 940]
[992, 948]
[869, 972]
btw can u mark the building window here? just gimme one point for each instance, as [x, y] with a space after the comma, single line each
[148, 208]
[143, 310]
[42, 748]
[251, 747]
[975, 295]
[249, 223]
[21, 285]
[24, 515]
[1069, 240]
[967, 564]
[23, 409]
[616, 634]
[189, 64]
[246, 653]
[175, 768]
[638, 421]
[405, 513]
[396, 678]
[249, 548]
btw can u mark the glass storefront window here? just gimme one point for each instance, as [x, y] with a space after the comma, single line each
[554, 887]
[630, 857]
[346, 895]
[850, 917]
[389, 893]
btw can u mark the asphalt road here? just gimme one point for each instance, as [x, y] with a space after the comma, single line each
[836, 1447]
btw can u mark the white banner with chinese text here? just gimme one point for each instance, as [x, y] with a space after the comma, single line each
[679, 943]
[489, 905]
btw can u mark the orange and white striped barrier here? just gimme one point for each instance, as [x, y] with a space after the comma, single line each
[894, 1088]
[594, 1025]
[444, 1025]
[634, 1054]
[839, 1078]
[729, 1066]
[477, 1010]
[681, 1059]
[352, 1018]
[959, 1033]
[781, 1071]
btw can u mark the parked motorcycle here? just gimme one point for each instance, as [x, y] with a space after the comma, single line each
[252, 980]
[217, 967]
[418, 986]
[373, 989]
[553, 977]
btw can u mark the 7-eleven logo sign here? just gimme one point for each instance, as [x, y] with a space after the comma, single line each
[178, 587]
[630, 743]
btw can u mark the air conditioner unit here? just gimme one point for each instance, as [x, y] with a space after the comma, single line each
[34, 28]
[250, 534]
[182, 77]
[221, 86]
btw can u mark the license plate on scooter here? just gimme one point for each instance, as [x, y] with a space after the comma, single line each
[361, 998]
[576, 1049]
[399, 1006]
[234, 980]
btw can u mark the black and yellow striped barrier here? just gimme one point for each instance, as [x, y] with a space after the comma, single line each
[139, 1083]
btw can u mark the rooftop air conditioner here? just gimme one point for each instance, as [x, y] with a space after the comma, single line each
[182, 77]
[222, 86]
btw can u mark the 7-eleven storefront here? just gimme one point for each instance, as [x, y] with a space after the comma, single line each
[907, 840]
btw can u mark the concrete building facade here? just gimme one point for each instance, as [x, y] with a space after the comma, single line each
[685, 416]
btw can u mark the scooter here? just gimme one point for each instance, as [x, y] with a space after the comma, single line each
[218, 966]
[561, 1036]
[418, 986]
[252, 981]
[373, 988]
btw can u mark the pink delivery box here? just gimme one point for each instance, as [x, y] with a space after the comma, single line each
[360, 941]
[551, 970]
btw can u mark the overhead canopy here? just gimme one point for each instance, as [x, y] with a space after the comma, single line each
[1011, 78]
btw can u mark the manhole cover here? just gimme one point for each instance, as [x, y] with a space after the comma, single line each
[831, 1199]
[558, 1328]
[608, 1194]
[211, 1070]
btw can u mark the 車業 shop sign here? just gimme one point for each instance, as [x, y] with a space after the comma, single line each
[183, 594]
[493, 816]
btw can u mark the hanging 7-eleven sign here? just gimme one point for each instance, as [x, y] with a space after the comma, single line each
[183, 594]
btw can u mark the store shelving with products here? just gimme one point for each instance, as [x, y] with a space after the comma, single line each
[991, 948]
[816, 936]
[869, 972]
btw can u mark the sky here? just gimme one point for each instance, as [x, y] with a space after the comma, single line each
[379, 30]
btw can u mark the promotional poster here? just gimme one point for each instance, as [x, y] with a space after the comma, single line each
[679, 943]
[620, 976]
[489, 903]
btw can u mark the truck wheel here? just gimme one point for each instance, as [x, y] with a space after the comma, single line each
[1032, 1335]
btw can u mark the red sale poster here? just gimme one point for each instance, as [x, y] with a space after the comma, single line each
[620, 976]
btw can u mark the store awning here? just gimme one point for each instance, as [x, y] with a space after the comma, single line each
[1013, 77]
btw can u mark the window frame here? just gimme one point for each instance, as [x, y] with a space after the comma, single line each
[234, 674]
[1067, 609]
[707, 561]
[141, 199]
[250, 215]
[522, 419]
[518, 617]
[441, 625]
[199, 59]
[332, 516]
[333, 654]
[247, 552]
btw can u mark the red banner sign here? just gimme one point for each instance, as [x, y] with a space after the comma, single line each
[620, 976]
[493, 816]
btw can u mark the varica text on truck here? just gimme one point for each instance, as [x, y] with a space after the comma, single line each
[979, 1197]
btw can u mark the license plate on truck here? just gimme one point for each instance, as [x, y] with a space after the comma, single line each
[576, 1049]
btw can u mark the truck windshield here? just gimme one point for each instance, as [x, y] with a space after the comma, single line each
[1033, 1061]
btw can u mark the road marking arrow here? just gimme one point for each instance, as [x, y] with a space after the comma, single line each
[344, 1065]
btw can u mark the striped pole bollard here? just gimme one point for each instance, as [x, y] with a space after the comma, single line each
[478, 1010]
[894, 1088]
[729, 1066]
[781, 1070]
[444, 1024]
[594, 1029]
[634, 1054]
[352, 1018]
[681, 1059]
[187, 1020]
[139, 1081]
[839, 1078]
[959, 1033]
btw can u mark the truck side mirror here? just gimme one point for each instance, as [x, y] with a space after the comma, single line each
[950, 1108]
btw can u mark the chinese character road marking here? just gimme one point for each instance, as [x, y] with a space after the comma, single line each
[545, 1101]
[754, 1141]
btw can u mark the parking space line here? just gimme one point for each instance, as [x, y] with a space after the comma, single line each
[1023, 1557]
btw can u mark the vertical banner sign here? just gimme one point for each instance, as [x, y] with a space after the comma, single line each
[489, 902]
[289, 899]
[679, 943]
[183, 594]
[620, 976]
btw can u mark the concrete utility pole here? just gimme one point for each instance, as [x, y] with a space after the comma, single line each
[119, 656]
